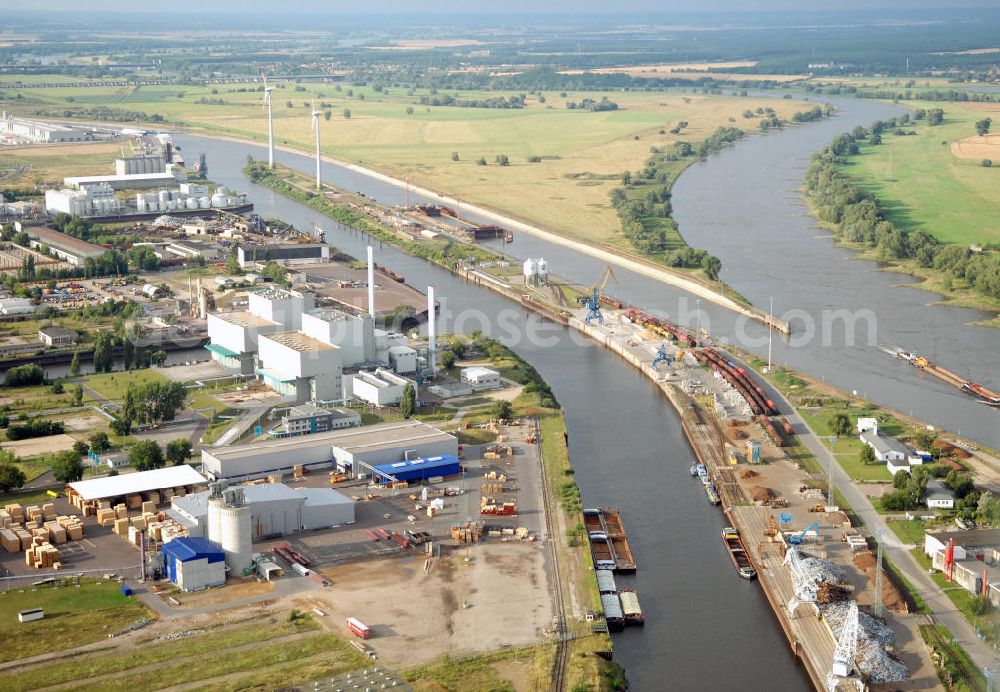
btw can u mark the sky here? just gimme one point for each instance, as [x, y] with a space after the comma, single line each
[474, 7]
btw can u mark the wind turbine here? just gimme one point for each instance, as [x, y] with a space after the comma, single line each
[270, 121]
[315, 126]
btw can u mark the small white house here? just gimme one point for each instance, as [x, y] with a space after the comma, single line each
[868, 425]
[480, 378]
[938, 496]
[886, 448]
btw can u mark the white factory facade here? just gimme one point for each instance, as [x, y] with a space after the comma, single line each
[301, 352]
[352, 450]
[21, 130]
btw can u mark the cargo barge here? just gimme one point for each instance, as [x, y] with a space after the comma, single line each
[608, 542]
[631, 611]
[977, 390]
[738, 553]
[613, 614]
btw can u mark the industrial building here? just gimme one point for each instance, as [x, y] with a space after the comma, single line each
[135, 181]
[16, 306]
[309, 419]
[65, 247]
[352, 450]
[403, 359]
[139, 165]
[194, 563]
[353, 334]
[479, 377]
[56, 336]
[21, 130]
[234, 338]
[417, 470]
[299, 367]
[975, 559]
[283, 253]
[379, 388]
[113, 487]
[275, 510]
[97, 199]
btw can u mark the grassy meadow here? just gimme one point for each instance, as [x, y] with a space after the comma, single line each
[582, 153]
[924, 186]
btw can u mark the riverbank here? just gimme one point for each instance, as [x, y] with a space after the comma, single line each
[616, 258]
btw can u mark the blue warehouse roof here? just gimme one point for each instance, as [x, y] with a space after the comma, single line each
[418, 468]
[187, 549]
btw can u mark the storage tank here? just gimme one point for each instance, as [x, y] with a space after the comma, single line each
[191, 203]
[542, 267]
[163, 196]
[530, 268]
[204, 203]
[236, 531]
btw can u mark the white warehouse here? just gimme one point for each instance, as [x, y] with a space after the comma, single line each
[275, 510]
[354, 334]
[380, 388]
[348, 449]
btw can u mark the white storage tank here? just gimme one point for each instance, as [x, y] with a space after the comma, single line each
[530, 268]
[163, 196]
[204, 203]
[236, 531]
[191, 203]
[543, 268]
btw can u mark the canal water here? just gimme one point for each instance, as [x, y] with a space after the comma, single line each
[627, 449]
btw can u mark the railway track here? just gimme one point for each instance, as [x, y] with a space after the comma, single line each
[562, 631]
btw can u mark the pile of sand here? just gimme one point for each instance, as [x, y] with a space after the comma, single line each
[747, 474]
[950, 450]
[736, 434]
[891, 597]
[761, 494]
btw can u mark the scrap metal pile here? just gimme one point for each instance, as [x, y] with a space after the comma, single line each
[871, 658]
[812, 578]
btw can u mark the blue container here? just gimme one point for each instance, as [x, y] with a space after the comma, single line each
[126, 590]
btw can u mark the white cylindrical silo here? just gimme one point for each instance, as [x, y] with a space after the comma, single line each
[237, 541]
[204, 203]
[213, 527]
[543, 267]
[530, 268]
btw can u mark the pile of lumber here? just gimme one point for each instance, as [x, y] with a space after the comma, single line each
[42, 555]
[467, 532]
[492, 507]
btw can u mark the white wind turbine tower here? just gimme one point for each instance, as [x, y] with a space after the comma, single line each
[315, 126]
[270, 121]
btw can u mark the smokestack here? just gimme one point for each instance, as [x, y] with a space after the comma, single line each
[371, 283]
[431, 332]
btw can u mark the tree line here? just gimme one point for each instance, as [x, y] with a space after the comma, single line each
[857, 216]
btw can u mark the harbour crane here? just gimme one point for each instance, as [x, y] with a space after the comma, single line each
[847, 648]
[593, 303]
[662, 357]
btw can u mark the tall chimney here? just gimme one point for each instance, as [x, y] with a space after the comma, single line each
[431, 332]
[371, 283]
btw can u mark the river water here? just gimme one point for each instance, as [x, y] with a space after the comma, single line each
[627, 449]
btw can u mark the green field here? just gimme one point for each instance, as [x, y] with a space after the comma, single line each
[923, 185]
[113, 385]
[269, 654]
[582, 153]
[73, 616]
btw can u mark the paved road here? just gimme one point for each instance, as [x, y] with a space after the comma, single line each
[945, 612]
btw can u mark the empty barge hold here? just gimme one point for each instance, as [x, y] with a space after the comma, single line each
[630, 607]
[608, 543]
[738, 552]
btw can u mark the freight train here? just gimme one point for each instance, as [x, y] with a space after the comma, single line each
[662, 327]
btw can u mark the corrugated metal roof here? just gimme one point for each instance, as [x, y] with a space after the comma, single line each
[139, 482]
[416, 464]
[187, 549]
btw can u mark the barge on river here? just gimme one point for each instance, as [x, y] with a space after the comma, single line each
[608, 542]
[738, 552]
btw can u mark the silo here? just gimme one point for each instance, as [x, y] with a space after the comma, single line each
[191, 203]
[163, 196]
[236, 532]
[204, 203]
[213, 528]
[530, 269]
[543, 269]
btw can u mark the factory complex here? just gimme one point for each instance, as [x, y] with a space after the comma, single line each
[352, 451]
[301, 352]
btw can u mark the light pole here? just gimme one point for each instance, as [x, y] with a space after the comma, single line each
[829, 491]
